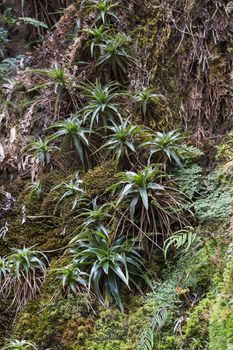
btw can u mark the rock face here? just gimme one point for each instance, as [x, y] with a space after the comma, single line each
[54, 186]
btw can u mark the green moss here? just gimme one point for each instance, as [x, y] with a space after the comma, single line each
[77, 330]
[45, 233]
[110, 331]
[97, 180]
[171, 342]
[225, 149]
[46, 321]
[70, 324]
[221, 325]
[196, 328]
[42, 227]
[221, 320]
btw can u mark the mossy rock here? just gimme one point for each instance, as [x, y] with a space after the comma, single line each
[70, 324]
[42, 227]
[52, 322]
[116, 330]
[98, 180]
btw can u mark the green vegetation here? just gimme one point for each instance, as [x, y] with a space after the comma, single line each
[101, 108]
[112, 261]
[220, 324]
[97, 35]
[56, 77]
[72, 131]
[96, 216]
[145, 99]
[22, 273]
[128, 221]
[105, 10]
[41, 150]
[72, 189]
[116, 56]
[165, 147]
[184, 238]
[147, 340]
[152, 201]
[71, 278]
[122, 141]
[19, 345]
[190, 180]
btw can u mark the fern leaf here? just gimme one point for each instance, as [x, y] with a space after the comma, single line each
[34, 22]
[147, 340]
[159, 319]
[147, 337]
[183, 238]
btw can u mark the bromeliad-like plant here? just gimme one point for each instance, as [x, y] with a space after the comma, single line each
[101, 108]
[15, 344]
[95, 217]
[105, 10]
[97, 36]
[32, 21]
[146, 98]
[73, 280]
[22, 273]
[35, 187]
[58, 79]
[41, 150]
[165, 147]
[139, 186]
[121, 142]
[73, 189]
[72, 131]
[110, 263]
[116, 56]
[3, 36]
[155, 203]
[55, 77]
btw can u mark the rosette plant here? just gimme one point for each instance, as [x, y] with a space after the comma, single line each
[152, 201]
[111, 263]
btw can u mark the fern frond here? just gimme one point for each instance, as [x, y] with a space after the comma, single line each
[32, 21]
[159, 319]
[147, 337]
[184, 238]
[147, 340]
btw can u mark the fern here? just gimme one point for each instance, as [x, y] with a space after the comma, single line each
[159, 320]
[183, 238]
[8, 66]
[216, 206]
[3, 35]
[147, 338]
[188, 152]
[190, 180]
[32, 21]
